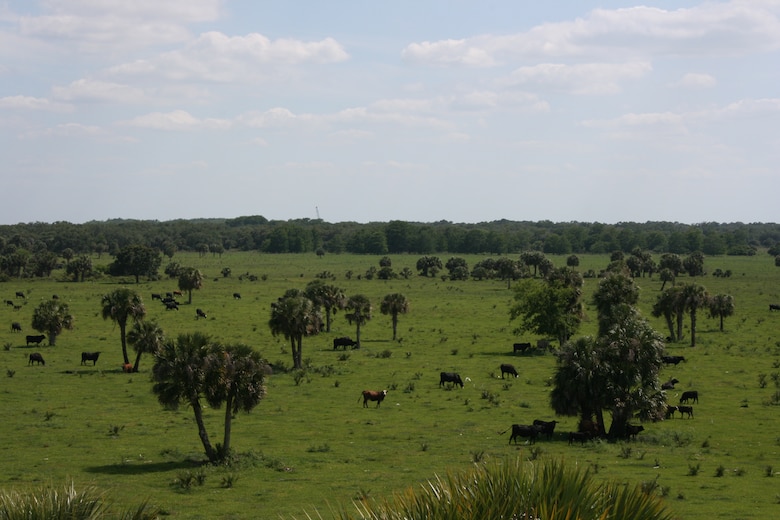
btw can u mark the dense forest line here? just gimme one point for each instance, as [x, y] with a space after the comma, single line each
[256, 233]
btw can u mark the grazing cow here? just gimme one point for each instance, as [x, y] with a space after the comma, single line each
[670, 409]
[522, 347]
[199, 314]
[36, 358]
[344, 341]
[177, 293]
[171, 306]
[10, 303]
[35, 339]
[55, 297]
[373, 395]
[89, 356]
[450, 377]
[17, 307]
[669, 385]
[522, 430]
[633, 430]
[16, 327]
[156, 296]
[169, 295]
[690, 395]
[506, 368]
[236, 296]
[672, 360]
[579, 436]
[20, 294]
[685, 410]
[545, 427]
[127, 368]
[774, 307]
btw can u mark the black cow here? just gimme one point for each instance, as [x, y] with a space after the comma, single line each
[774, 307]
[685, 410]
[670, 409]
[450, 377]
[672, 360]
[199, 314]
[506, 368]
[35, 339]
[36, 358]
[545, 427]
[522, 347]
[344, 342]
[633, 430]
[20, 294]
[169, 295]
[89, 356]
[156, 296]
[171, 306]
[10, 303]
[522, 430]
[236, 296]
[373, 395]
[16, 327]
[580, 436]
[669, 385]
[690, 395]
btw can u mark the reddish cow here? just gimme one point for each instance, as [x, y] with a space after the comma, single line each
[373, 395]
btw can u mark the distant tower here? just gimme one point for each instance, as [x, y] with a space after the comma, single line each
[318, 212]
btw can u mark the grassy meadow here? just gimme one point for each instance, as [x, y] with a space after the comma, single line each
[311, 448]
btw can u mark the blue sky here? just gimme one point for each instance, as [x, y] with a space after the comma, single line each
[374, 111]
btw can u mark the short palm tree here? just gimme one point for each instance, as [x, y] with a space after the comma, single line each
[294, 316]
[328, 296]
[190, 279]
[358, 312]
[122, 305]
[721, 306]
[394, 304]
[694, 296]
[52, 317]
[146, 337]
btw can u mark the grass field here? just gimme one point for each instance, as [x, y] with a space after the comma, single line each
[311, 447]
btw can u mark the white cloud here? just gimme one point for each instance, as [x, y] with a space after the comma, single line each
[176, 120]
[94, 90]
[697, 81]
[33, 103]
[66, 130]
[589, 78]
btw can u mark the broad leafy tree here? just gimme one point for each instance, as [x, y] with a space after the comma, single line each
[51, 318]
[327, 296]
[394, 304]
[358, 309]
[721, 306]
[295, 316]
[79, 267]
[146, 337]
[190, 279]
[120, 306]
[532, 259]
[671, 261]
[136, 260]
[547, 308]
[429, 265]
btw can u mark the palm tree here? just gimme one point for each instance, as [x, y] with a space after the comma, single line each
[52, 317]
[614, 293]
[394, 304]
[360, 312]
[235, 376]
[693, 296]
[146, 337]
[294, 316]
[189, 279]
[666, 275]
[665, 305]
[178, 374]
[575, 382]
[721, 306]
[328, 296]
[121, 305]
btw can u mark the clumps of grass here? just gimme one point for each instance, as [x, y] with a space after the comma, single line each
[650, 487]
[417, 376]
[324, 448]
[769, 471]
[115, 429]
[534, 453]
[477, 456]
[228, 481]
[409, 387]
[719, 471]
[7, 346]
[326, 370]
[423, 446]
[10, 373]
[187, 479]
[490, 397]
[385, 354]
[454, 352]
[299, 376]
[739, 472]
[693, 469]
[762, 380]
[625, 452]
[344, 356]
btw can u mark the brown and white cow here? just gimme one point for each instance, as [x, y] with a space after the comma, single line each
[373, 395]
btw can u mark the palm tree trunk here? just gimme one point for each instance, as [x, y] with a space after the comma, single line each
[395, 324]
[228, 426]
[670, 324]
[357, 333]
[123, 336]
[204, 436]
[680, 316]
[693, 326]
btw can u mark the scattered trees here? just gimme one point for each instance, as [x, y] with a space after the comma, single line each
[190, 279]
[51, 318]
[548, 307]
[295, 316]
[394, 304]
[120, 306]
[721, 306]
[136, 260]
[146, 337]
[358, 312]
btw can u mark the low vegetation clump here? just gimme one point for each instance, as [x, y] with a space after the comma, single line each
[546, 489]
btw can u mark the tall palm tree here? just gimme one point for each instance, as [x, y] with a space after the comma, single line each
[359, 312]
[235, 376]
[665, 305]
[578, 374]
[694, 296]
[122, 305]
[146, 337]
[190, 279]
[52, 317]
[394, 304]
[294, 316]
[721, 306]
[179, 377]
[614, 293]
[328, 296]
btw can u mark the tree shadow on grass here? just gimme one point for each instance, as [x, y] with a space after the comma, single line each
[142, 468]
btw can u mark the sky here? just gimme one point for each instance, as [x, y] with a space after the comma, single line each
[371, 111]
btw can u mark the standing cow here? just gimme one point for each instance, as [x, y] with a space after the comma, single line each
[36, 358]
[16, 327]
[89, 356]
[450, 377]
[506, 368]
[373, 395]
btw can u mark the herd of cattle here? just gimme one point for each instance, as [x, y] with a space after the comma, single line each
[587, 430]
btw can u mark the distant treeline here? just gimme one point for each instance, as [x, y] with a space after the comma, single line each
[256, 233]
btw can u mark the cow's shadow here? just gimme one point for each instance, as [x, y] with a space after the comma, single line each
[142, 468]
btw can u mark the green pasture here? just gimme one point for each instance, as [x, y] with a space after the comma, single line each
[310, 447]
